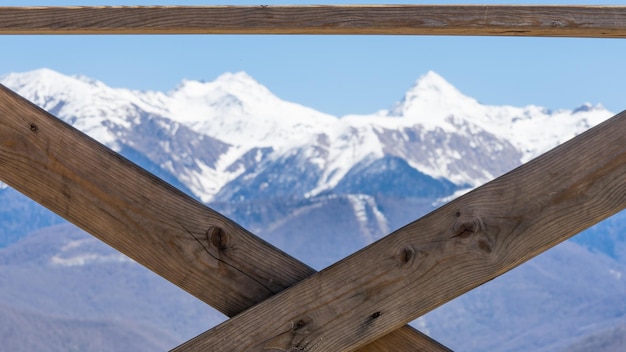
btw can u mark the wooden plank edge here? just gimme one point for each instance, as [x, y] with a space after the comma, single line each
[450, 20]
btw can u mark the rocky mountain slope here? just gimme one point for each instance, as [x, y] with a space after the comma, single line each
[228, 138]
[318, 186]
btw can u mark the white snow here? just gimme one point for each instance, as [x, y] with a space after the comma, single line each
[80, 253]
[361, 203]
[441, 201]
[86, 104]
[350, 144]
[210, 181]
[236, 109]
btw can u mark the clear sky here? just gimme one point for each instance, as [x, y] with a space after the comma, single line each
[339, 74]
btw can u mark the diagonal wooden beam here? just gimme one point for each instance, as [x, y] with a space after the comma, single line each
[452, 250]
[484, 20]
[158, 226]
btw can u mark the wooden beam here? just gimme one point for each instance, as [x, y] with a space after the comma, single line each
[143, 217]
[158, 226]
[468, 20]
[454, 249]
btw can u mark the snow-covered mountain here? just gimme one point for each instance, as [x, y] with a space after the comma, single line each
[317, 186]
[228, 139]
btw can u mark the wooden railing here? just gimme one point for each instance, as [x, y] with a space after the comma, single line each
[362, 302]
[501, 20]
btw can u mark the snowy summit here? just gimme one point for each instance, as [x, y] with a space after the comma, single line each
[229, 137]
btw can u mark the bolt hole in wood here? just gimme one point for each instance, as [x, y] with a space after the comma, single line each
[33, 127]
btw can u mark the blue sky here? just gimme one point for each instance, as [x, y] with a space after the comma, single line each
[339, 74]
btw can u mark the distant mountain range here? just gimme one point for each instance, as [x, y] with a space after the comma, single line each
[318, 186]
[228, 138]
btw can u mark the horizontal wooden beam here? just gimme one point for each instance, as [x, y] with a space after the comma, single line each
[158, 226]
[468, 20]
[454, 249]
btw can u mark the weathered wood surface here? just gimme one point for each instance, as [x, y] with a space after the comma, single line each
[404, 340]
[452, 250]
[133, 211]
[158, 226]
[484, 20]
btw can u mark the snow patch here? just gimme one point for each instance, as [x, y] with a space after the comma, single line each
[370, 225]
[441, 201]
[81, 252]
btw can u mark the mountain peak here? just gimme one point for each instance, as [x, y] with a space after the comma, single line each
[237, 109]
[432, 97]
[43, 72]
[44, 82]
[432, 81]
[238, 84]
[240, 76]
[40, 79]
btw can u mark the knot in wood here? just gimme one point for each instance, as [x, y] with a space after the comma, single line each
[218, 238]
[302, 325]
[406, 255]
[299, 325]
[371, 319]
[470, 232]
[33, 127]
[465, 227]
[294, 339]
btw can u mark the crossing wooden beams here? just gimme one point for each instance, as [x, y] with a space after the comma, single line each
[158, 226]
[493, 229]
[467, 20]
[141, 216]
[454, 249]
[368, 295]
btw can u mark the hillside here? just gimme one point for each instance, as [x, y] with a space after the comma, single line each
[25, 331]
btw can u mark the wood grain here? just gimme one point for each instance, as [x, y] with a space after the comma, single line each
[158, 226]
[470, 20]
[452, 250]
[133, 211]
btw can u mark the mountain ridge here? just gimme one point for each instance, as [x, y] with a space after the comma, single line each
[239, 130]
[319, 192]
